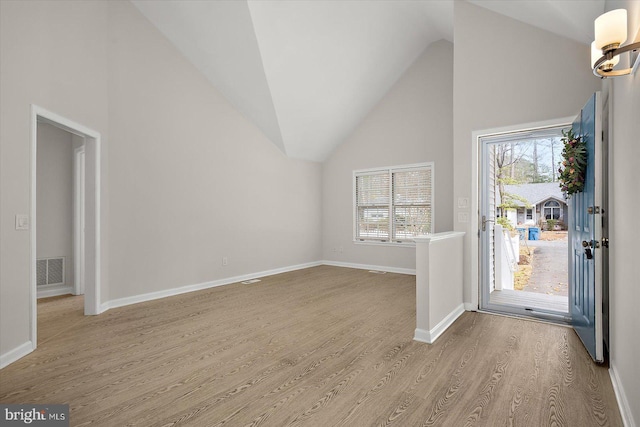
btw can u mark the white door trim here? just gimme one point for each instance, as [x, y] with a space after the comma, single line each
[475, 186]
[78, 219]
[92, 243]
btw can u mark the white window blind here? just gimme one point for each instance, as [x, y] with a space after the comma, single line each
[411, 203]
[393, 204]
[372, 200]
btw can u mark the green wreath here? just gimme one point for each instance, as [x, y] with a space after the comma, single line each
[574, 166]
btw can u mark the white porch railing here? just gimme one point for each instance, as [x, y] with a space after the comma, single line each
[507, 254]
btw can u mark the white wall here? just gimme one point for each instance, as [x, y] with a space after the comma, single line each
[52, 54]
[624, 204]
[538, 76]
[191, 180]
[54, 200]
[411, 124]
[186, 179]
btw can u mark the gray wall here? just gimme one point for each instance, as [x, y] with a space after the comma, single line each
[54, 200]
[411, 124]
[186, 179]
[518, 91]
[624, 235]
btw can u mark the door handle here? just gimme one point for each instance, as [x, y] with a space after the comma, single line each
[590, 244]
[485, 221]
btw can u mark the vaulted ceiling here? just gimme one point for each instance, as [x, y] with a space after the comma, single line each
[307, 72]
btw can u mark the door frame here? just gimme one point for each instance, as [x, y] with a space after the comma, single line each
[79, 189]
[476, 156]
[92, 211]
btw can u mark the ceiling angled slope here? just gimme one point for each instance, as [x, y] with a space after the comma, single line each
[569, 18]
[307, 72]
[328, 63]
[218, 38]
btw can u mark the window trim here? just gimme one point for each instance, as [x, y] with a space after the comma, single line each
[526, 214]
[557, 206]
[389, 169]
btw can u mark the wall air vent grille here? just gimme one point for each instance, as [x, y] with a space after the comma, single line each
[50, 271]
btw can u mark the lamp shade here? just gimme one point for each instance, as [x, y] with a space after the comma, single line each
[597, 54]
[611, 28]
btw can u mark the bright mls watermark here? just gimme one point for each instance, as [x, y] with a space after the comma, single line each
[34, 415]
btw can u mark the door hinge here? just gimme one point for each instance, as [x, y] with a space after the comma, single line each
[593, 209]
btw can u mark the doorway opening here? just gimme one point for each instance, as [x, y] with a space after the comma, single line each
[69, 261]
[524, 225]
[60, 194]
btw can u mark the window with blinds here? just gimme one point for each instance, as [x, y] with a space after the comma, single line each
[393, 204]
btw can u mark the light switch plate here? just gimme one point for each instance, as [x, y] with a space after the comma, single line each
[463, 217]
[22, 222]
[463, 202]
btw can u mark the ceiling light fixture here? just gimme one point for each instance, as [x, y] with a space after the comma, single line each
[611, 32]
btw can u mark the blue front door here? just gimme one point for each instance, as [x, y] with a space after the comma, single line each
[585, 231]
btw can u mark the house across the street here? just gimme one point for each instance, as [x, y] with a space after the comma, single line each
[537, 203]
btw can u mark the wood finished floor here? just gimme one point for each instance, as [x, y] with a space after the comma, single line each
[325, 346]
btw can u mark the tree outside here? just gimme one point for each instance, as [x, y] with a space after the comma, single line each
[525, 162]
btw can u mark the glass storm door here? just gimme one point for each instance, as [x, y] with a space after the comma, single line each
[507, 280]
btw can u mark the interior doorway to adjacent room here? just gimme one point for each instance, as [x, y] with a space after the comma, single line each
[65, 213]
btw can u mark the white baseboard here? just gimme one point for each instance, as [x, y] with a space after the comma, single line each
[431, 335]
[470, 307]
[621, 397]
[422, 336]
[15, 354]
[410, 271]
[135, 299]
[54, 292]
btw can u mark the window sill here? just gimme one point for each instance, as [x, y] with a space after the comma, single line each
[404, 244]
